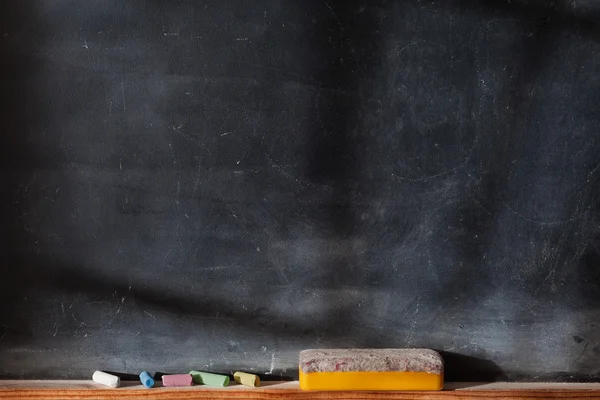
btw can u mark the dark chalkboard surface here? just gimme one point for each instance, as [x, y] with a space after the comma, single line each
[220, 184]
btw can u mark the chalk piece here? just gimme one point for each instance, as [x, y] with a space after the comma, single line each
[146, 379]
[206, 378]
[246, 379]
[177, 380]
[106, 379]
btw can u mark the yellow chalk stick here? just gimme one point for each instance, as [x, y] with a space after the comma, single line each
[246, 379]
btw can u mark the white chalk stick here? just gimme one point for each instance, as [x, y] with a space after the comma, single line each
[106, 379]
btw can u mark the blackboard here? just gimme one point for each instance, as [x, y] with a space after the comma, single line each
[220, 184]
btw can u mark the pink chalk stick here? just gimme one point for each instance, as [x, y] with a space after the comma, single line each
[177, 380]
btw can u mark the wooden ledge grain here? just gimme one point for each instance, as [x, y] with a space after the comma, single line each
[88, 390]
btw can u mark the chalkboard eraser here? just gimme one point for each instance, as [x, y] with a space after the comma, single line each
[209, 379]
[106, 379]
[177, 380]
[371, 369]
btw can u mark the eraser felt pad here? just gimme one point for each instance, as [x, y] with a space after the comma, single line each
[371, 369]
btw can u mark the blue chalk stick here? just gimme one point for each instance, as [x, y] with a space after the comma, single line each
[146, 379]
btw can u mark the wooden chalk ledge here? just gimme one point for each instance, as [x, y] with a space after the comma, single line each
[88, 390]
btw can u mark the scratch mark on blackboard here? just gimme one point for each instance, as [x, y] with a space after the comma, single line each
[74, 301]
[413, 324]
[172, 154]
[225, 133]
[264, 25]
[282, 274]
[113, 317]
[280, 169]
[188, 137]
[150, 315]
[123, 96]
[481, 206]
[217, 267]
[399, 51]
[62, 307]
[451, 170]
[594, 170]
[551, 276]
[541, 223]
[334, 15]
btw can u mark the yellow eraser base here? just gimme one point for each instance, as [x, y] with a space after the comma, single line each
[371, 381]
